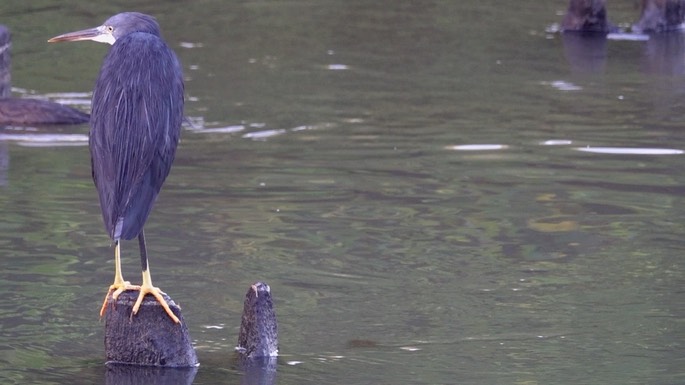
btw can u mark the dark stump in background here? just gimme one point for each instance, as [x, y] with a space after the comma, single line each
[587, 16]
[5, 68]
[660, 16]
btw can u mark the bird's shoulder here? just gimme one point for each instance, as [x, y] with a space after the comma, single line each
[139, 54]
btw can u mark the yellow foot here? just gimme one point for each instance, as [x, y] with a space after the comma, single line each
[117, 288]
[144, 289]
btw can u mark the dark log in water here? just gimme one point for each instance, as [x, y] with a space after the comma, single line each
[33, 111]
[23, 112]
[148, 338]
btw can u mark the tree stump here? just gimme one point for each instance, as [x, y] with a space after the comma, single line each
[258, 328]
[257, 348]
[149, 338]
[586, 16]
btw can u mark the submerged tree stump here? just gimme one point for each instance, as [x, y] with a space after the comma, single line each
[258, 328]
[149, 338]
[257, 348]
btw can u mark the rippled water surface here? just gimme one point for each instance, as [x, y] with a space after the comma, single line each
[436, 192]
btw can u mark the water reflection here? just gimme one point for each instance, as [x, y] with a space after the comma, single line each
[664, 52]
[4, 163]
[260, 371]
[136, 375]
[585, 53]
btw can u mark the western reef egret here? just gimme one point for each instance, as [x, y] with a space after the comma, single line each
[135, 125]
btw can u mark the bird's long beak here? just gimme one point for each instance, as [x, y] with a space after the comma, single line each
[99, 34]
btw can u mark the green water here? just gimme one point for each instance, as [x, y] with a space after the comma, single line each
[324, 158]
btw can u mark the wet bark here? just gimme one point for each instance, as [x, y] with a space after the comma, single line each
[258, 329]
[257, 348]
[149, 338]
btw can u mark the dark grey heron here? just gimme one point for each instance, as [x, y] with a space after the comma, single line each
[135, 124]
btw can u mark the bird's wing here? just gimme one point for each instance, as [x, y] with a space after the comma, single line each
[135, 125]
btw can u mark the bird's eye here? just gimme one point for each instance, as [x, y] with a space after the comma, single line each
[110, 29]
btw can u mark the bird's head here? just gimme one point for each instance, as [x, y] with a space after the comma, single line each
[115, 27]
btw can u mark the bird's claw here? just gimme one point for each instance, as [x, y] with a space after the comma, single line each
[157, 293]
[115, 289]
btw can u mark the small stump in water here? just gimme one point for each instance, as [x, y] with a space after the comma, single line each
[149, 338]
[258, 328]
[257, 348]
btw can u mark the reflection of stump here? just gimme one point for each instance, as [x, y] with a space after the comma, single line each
[148, 375]
[259, 371]
[660, 16]
[149, 337]
[586, 16]
[585, 53]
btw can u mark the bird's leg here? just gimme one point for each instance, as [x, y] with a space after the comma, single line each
[119, 285]
[146, 287]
